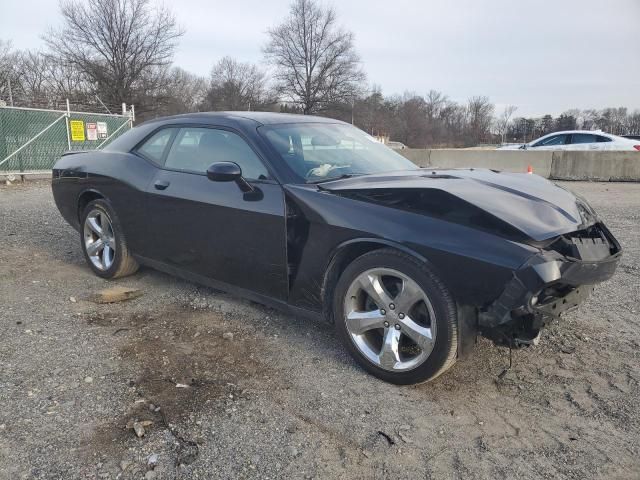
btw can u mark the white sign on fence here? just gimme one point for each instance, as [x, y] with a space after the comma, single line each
[102, 130]
[92, 131]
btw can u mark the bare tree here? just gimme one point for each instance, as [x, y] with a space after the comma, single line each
[371, 112]
[236, 85]
[434, 102]
[480, 114]
[40, 80]
[453, 117]
[315, 60]
[9, 77]
[618, 120]
[182, 92]
[503, 121]
[411, 120]
[633, 123]
[66, 80]
[589, 119]
[33, 68]
[118, 44]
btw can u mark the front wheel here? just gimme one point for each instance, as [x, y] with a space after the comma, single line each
[396, 317]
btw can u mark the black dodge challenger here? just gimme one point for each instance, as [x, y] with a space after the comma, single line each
[314, 216]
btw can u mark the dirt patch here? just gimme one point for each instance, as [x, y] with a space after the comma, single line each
[123, 322]
[190, 351]
[181, 363]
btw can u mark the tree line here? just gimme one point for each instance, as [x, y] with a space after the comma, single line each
[116, 51]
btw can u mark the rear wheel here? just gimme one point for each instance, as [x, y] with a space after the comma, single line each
[396, 317]
[103, 242]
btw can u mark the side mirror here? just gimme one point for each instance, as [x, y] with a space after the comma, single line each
[224, 172]
[228, 172]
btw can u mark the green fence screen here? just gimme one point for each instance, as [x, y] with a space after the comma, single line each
[47, 134]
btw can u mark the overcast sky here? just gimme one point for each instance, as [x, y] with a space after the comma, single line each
[544, 56]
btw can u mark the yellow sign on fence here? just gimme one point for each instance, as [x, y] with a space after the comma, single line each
[77, 130]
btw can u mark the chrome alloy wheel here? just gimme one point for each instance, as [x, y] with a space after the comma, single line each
[99, 240]
[390, 319]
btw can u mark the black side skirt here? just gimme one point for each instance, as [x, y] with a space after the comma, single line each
[230, 289]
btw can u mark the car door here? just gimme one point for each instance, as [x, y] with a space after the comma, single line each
[584, 141]
[553, 142]
[214, 229]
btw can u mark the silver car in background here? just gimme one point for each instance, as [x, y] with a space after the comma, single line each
[578, 140]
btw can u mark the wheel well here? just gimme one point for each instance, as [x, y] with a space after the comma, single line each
[339, 262]
[467, 315]
[84, 200]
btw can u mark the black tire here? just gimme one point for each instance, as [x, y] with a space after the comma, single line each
[444, 352]
[123, 262]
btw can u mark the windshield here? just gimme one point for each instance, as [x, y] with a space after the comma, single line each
[323, 151]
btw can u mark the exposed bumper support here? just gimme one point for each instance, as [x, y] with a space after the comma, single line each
[543, 289]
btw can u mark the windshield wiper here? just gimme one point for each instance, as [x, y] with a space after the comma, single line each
[330, 179]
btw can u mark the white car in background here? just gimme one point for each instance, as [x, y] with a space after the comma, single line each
[578, 140]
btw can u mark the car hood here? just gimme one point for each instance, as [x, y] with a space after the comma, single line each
[517, 206]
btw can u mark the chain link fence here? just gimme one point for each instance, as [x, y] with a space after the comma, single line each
[31, 140]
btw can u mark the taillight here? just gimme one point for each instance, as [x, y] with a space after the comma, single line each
[637, 147]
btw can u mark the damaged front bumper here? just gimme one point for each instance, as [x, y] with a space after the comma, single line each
[555, 281]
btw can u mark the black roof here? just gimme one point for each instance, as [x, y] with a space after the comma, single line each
[262, 118]
[246, 121]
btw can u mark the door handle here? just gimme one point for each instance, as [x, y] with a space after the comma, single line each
[161, 184]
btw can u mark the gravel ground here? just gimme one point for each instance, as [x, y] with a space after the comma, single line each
[281, 398]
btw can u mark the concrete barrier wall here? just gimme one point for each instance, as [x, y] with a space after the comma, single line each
[601, 166]
[576, 165]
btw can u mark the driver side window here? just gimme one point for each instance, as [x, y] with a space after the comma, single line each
[553, 140]
[195, 149]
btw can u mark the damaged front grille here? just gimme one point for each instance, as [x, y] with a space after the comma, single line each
[590, 244]
[544, 290]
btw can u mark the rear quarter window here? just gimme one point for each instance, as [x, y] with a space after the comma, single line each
[583, 138]
[155, 146]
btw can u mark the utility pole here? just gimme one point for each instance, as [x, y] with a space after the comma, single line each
[10, 94]
[353, 107]
[67, 120]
